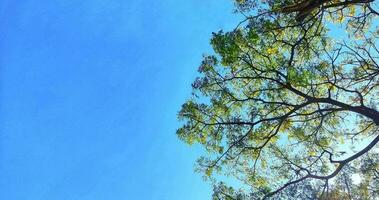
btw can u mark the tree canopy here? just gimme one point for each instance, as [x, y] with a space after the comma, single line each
[286, 106]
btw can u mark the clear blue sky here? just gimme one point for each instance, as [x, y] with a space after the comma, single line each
[89, 92]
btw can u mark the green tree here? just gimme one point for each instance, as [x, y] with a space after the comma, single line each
[285, 108]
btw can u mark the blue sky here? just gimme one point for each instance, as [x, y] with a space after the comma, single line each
[89, 92]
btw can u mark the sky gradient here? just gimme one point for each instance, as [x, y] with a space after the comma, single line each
[89, 92]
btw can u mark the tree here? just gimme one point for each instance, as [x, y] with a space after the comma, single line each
[286, 109]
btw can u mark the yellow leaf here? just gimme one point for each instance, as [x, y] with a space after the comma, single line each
[352, 11]
[272, 51]
[312, 153]
[208, 172]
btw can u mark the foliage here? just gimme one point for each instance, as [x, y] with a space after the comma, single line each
[286, 109]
